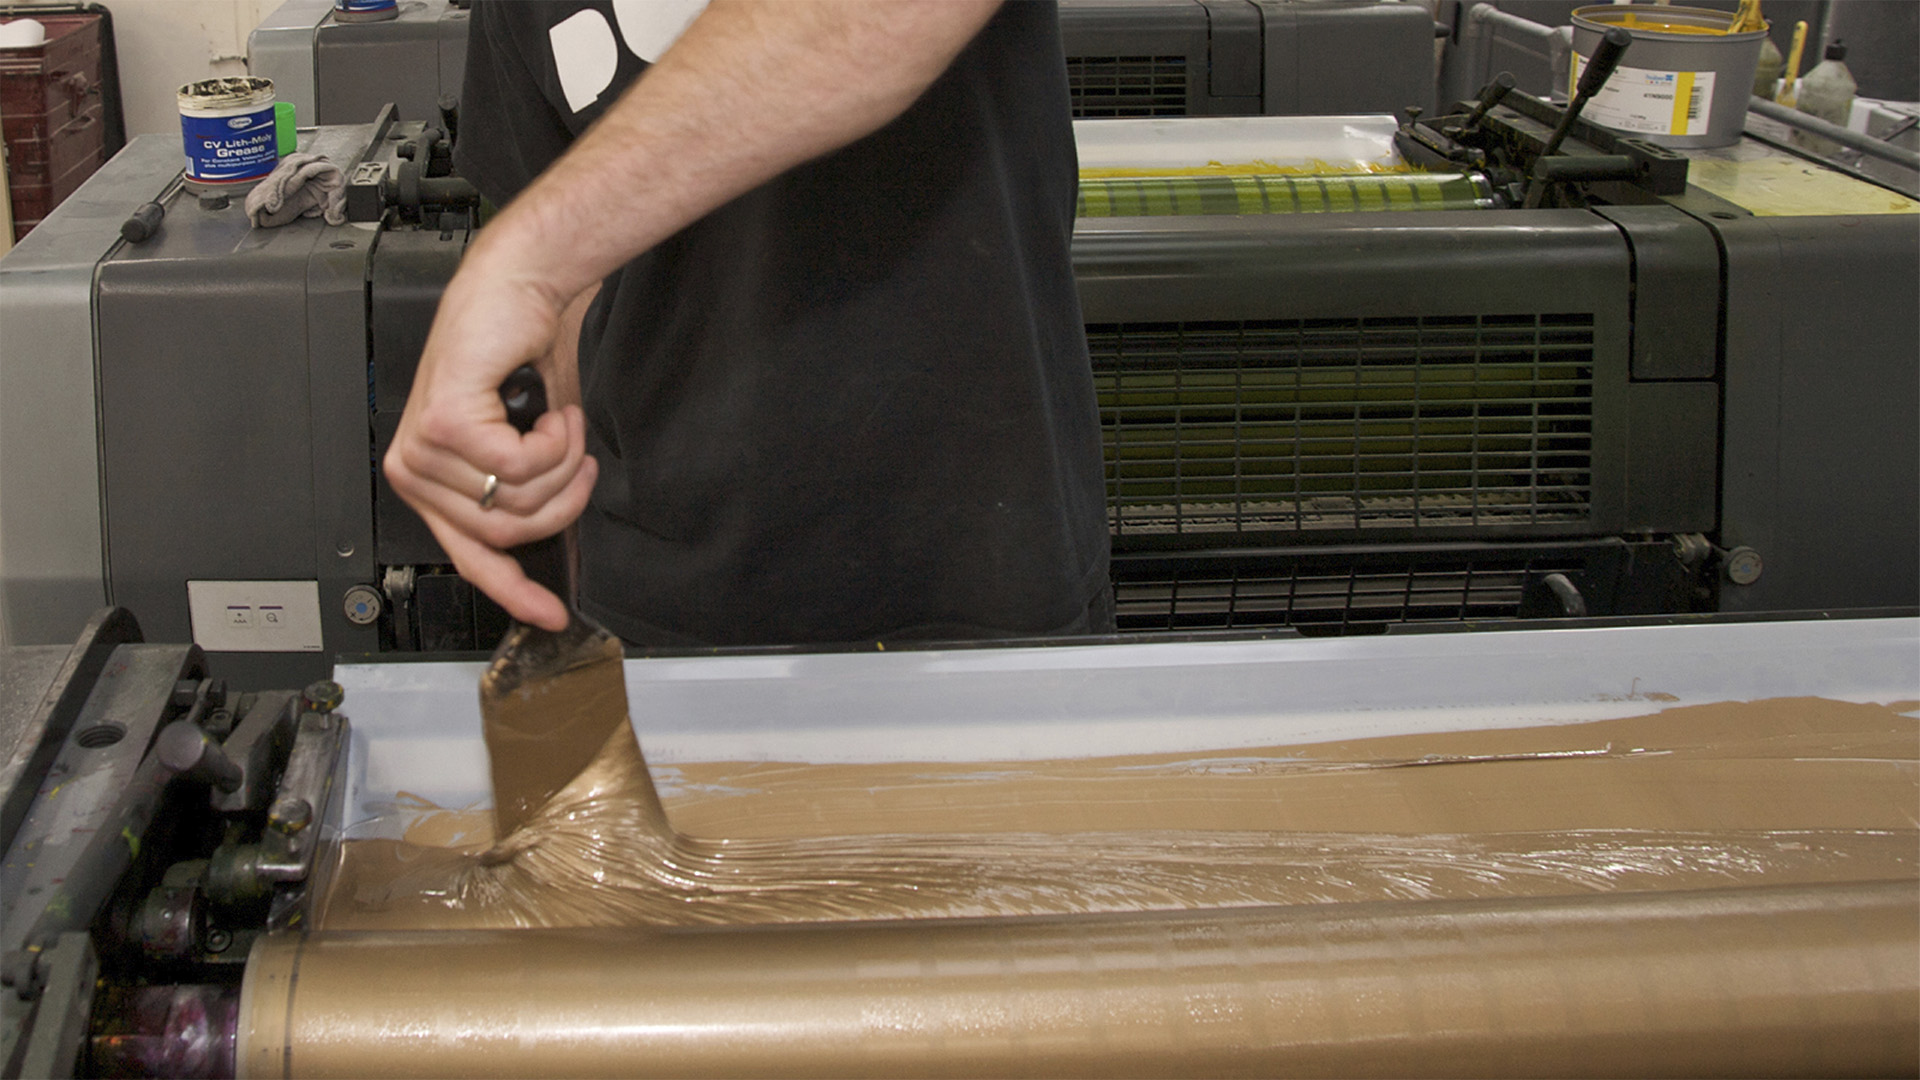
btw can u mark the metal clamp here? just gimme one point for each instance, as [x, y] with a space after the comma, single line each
[285, 852]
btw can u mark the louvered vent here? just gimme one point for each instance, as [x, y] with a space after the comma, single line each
[1240, 596]
[1424, 424]
[1127, 85]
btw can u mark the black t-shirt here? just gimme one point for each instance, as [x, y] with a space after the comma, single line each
[853, 404]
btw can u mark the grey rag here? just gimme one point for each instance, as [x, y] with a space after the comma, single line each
[302, 185]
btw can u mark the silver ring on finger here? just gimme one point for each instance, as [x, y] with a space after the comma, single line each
[487, 493]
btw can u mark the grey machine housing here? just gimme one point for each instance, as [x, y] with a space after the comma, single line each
[196, 405]
[1124, 57]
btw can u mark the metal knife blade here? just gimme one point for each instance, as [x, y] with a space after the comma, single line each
[548, 701]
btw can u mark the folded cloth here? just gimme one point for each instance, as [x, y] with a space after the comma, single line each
[302, 185]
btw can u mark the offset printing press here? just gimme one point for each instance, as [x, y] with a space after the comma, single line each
[1339, 396]
[1634, 424]
[1611, 380]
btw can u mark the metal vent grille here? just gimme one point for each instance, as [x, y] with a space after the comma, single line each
[1330, 598]
[1432, 423]
[1127, 85]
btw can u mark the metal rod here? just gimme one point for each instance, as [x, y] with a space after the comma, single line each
[1482, 21]
[1847, 137]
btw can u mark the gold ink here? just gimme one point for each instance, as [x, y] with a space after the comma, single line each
[1788, 791]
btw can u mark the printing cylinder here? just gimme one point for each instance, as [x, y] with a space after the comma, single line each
[1774, 981]
[1260, 193]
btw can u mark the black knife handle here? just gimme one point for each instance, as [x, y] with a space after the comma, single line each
[545, 560]
[524, 394]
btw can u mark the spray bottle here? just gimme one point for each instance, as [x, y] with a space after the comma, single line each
[1827, 92]
[1766, 75]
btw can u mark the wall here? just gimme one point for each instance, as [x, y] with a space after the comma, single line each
[164, 43]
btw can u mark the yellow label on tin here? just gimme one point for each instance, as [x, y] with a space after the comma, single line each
[1684, 104]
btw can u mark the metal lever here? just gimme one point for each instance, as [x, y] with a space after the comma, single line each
[449, 106]
[1490, 95]
[1600, 67]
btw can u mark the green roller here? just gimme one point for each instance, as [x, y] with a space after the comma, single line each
[1274, 193]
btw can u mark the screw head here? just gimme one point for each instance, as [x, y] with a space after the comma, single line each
[218, 941]
[289, 815]
[323, 696]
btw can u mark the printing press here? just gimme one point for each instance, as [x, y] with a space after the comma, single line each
[1663, 414]
[1346, 413]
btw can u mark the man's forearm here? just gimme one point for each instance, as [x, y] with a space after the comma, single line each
[563, 360]
[752, 89]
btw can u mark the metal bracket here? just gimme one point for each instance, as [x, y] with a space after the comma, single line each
[239, 873]
[107, 630]
[363, 191]
[59, 1023]
[254, 745]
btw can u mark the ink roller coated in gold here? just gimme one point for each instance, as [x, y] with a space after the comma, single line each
[1767, 981]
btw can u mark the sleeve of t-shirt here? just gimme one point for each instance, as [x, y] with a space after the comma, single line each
[509, 129]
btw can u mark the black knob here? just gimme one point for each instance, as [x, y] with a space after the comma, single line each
[142, 223]
[185, 749]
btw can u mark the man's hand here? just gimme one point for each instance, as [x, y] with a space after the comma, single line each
[454, 434]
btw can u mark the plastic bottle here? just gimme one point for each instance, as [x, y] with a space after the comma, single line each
[1827, 92]
[1768, 73]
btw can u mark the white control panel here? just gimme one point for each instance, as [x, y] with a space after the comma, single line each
[255, 616]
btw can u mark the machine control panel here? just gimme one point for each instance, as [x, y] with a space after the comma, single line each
[255, 616]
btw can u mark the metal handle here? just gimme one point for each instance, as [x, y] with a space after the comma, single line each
[524, 394]
[1606, 57]
[1490, 95]
[143, 222]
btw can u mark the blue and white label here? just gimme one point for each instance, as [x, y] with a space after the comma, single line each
[228, 149]
[362, 6]
[1648, 102]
